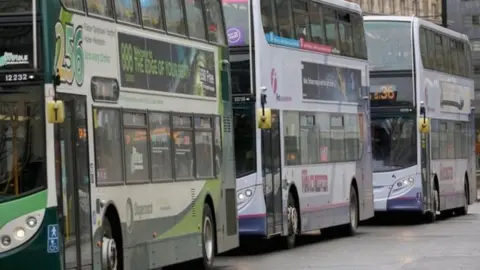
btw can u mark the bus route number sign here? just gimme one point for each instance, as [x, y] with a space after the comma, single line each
[387, 92]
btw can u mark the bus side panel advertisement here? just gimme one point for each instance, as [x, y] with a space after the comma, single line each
[322, 82]
[166, 67]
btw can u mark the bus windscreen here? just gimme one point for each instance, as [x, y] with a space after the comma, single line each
[389, 45]
[15, 6]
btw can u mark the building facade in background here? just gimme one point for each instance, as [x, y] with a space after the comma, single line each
[427, 9]
[464, 16]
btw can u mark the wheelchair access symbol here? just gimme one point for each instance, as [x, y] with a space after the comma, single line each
[52, 240]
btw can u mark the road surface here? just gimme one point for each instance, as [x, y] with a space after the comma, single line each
[452, 243]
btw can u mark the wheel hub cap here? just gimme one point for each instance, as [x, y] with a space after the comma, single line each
[109, 254]
[293, 219]
[353, 214]
[208, 238]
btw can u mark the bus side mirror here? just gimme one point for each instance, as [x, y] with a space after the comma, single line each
[55, 111]
[424, 125]
[423, 122]
[264, 118]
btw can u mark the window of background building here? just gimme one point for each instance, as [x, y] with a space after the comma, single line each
[425, 8]
[403, 10]
[434, 10]
[476, 69]
[475, 20]
[475, 45]
[372, 5]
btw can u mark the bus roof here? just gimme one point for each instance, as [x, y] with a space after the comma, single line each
[343, 5]
[420, 21]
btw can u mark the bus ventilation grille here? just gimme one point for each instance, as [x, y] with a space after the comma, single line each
[227, 123]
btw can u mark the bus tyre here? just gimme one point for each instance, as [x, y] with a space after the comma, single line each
[350, 229]
[293, 218]
[431, 216]
[208, 238]
[464, 209]
[109, 247]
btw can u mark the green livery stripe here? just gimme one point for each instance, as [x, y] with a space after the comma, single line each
[191, 223]
[19, 207]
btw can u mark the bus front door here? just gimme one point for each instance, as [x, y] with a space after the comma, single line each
[71, 143]
[272, 175]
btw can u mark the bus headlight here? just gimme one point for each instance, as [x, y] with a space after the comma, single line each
[20, 233]
[6, 240]
[402, 186]
[31, 222]
[243, 195]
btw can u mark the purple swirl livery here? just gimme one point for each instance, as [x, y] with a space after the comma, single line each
[235, 36]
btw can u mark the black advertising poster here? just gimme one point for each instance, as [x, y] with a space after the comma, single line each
[16, 47]
[156, 65]
[322, 82]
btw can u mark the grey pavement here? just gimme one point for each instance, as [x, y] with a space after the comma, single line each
[452, 243]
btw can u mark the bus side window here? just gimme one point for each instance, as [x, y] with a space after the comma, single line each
[461, 58]
[195, 19]
[438, 52]
[127, 11]
[73, 4]
[268, 11]
[300, 20]
[215, 27]
[435, 141]
[284, 19]
[152, 14]
[359, 43]
[175, 17]
[423, 47]
[454, 59]
[331, 27]
[317, 28]
[446, 54]
[468, 57]
[345, 31]
[431, 50]
[100, 7]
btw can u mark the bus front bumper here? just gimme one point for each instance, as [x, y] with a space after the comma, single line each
[409, 200]
[33, 254]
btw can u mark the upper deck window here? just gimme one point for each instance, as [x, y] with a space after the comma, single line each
[151, 13]
[216, 31]
[196, 20]
[389, 45]
[127, 11]
[175, 17]
[97, 7]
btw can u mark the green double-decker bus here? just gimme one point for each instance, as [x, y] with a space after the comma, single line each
[116, 148]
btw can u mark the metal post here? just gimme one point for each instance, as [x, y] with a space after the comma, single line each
[444, 14]
[34, 22]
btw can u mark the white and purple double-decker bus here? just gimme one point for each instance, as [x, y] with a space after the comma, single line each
[299, 76]
[422, 117]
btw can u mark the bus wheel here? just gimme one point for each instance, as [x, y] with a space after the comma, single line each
[350, 229]
[109, 247]
[431, 216]
[292, 222]
[208, 237]
[461, 211]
